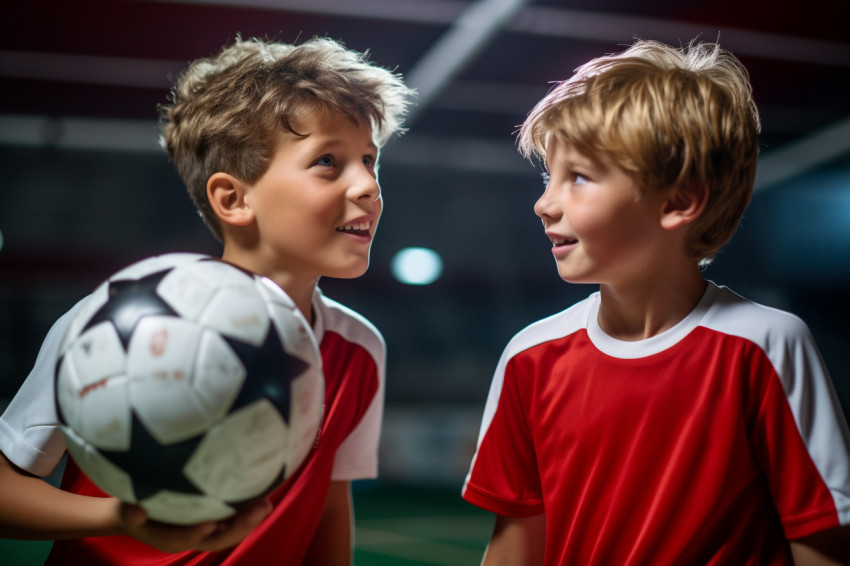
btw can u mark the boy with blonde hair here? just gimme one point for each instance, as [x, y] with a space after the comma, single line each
[664, 419]
[278, 146]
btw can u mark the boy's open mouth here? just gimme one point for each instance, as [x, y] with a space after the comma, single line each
[564, 242]
[357, 228]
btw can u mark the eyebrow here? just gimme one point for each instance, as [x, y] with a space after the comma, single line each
[335, 142]
[581, 161]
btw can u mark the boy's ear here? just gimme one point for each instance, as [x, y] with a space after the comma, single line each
[683, 205]
[226, 194]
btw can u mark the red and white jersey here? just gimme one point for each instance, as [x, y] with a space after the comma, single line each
[353, 361]
[711, 443]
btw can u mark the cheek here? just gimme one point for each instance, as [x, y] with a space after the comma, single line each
[322, 210]
[605, 227]
[589, 221]
[379, 209]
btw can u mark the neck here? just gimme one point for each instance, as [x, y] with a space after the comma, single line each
[642, 310]
[299, 289]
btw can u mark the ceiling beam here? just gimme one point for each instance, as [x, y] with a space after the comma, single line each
[570, 23]
[805, 154]
[419, 11]
[620, 28]
[467, 36]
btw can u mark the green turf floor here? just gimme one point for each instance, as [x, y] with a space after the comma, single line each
[418, 527]
[395, 526]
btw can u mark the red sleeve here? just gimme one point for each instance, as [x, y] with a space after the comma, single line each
[504, 477]
[802, 498]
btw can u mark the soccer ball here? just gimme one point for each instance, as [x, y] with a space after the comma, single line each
[189, 387]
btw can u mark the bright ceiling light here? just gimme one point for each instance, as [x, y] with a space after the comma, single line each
[417, 266]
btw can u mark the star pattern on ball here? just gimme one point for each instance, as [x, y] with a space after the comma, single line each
[150, 467]
[130, 300]
[270, 370]
[152, 474]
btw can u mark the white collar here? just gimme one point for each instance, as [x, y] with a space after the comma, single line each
[658, 343]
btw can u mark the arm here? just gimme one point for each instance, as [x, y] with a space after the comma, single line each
[331, 544]
[826, 548]
[517, 541]
[31, 508]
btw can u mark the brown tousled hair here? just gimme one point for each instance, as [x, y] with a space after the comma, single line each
[226, 112]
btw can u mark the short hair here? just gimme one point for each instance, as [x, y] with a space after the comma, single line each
[225, 112]
[669, 117]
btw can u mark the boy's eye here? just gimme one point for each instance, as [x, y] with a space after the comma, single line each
[546, 178]
[368, 161]
[579, 179]
[325, 161]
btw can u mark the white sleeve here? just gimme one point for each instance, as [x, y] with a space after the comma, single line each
[818, 414]
[29, 434]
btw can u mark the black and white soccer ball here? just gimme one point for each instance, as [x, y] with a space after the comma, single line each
[188, 386]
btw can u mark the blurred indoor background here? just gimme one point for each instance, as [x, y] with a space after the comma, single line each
[86, 189]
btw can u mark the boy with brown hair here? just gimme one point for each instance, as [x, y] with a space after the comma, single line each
[278, 146]
[664, 419]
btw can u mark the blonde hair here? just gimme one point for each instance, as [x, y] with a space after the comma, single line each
[227, 111]
[669, 117]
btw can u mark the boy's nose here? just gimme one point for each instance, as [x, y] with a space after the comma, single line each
[365, 186]
[546, 207]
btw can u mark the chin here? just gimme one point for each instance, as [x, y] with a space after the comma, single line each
[352, 272]
[577, 279]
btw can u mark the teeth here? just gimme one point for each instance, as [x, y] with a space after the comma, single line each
[355, 227]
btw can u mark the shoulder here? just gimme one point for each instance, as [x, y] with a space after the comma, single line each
[781, 336]
[554, 327]
[350, 325]
[765, 326]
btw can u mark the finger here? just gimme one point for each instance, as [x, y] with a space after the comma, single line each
[247, 518]
[133, 515]
[236, 528]
[173, 538]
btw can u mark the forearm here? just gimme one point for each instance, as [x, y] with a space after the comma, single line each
[826, 548]
[332, 542]
[31, 508]
[517, 541]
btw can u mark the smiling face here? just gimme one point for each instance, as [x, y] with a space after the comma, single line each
[318, 204]
[602, 229]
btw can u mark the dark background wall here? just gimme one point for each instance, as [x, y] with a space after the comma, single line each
[86, 190]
